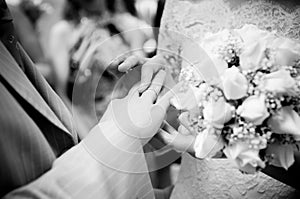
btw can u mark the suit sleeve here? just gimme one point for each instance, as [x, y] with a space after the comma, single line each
[106, 164]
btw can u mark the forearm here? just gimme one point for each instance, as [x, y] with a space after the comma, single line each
[95, 168]
[290, 176]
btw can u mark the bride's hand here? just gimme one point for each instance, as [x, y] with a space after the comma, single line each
[180, 140]
[149, 67]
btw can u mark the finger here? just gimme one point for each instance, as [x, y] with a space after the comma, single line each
[167, 127]
[157, 117]
[184, 120]
[184, 131]
[149, 69]
[118, 61]
[164, 101]
[131, 62]
[165, 136]
[156, 86]
[180, 143]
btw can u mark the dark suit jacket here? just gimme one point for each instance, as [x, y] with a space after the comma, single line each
[35, 125]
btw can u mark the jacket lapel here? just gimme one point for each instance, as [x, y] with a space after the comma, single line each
[13, 74]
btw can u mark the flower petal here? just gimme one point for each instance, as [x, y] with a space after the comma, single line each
[286, 57]
[279, 82]
[254, 109]
[207, 144]
[286, 121]
[283, 155]
[247, 159]
[234, 150]
[252, 56]
[186, 100]
[235, 84]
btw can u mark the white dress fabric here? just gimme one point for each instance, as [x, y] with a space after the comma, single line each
[192, 19]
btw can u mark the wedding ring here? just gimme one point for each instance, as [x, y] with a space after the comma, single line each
[151, 89]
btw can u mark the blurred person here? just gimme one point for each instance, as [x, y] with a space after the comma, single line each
[158, 16]
[146, 10]
[70, 39]
[26, 14]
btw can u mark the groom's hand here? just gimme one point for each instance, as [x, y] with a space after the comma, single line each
[141, 115]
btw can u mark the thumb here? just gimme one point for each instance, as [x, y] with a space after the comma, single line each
[165, 136]
[158, 114]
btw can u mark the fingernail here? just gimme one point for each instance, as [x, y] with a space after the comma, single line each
[121, 68]
[121, 65]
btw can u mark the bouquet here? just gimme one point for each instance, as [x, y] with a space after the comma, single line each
[243, 97]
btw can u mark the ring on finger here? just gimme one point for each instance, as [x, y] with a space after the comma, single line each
[152, 89]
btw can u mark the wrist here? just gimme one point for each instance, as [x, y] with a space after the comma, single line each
[125, 135]
[106, 136]
[109, 146]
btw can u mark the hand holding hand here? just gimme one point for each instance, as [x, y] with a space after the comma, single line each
[148, 66]
[140, 115]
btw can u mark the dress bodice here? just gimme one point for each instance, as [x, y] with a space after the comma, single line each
[192, 19]
[219, 178]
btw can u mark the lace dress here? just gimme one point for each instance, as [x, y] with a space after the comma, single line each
[191, 19]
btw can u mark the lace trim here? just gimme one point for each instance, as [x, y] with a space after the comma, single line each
[195, 18]
[269, 15]
[218, 179]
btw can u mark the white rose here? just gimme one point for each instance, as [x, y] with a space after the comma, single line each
[234, 84]
[255, 41]
[208, 143]
[251, 34]
[187, 99]
[254, 109]
[246, 158]
[286, 121]
[279, 82]
[252, 55]
[287, 52]
[217, 113]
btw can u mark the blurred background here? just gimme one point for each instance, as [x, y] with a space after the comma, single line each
[72, 42]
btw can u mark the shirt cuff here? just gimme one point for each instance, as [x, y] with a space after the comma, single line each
[108, 145]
